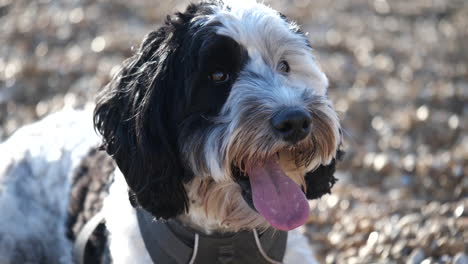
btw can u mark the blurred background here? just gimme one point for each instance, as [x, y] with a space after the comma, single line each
[399, 79]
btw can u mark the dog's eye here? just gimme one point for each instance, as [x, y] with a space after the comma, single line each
[219, 76]
[283, 66]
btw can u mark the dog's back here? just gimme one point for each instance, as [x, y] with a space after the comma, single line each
[36, 166]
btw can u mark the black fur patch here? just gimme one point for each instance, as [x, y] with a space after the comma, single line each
[162, 97]
[321, 180]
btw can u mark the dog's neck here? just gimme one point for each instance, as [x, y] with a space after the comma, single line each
[218, 208]
[173, 241]
[126, 243]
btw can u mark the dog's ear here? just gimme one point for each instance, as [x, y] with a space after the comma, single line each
[321, 180]
[135, 113]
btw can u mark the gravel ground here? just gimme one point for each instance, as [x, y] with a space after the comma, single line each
[399, 78]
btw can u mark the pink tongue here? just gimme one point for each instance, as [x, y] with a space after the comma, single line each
[276, 197]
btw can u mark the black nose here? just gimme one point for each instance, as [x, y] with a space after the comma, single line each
[293, 124]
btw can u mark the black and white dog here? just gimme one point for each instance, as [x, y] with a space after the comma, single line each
[219, 124]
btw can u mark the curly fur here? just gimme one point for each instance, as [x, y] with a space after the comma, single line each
[184, 142]
[89, 187]
[171, 131]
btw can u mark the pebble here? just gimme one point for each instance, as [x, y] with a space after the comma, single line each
[416, 257]
[460, 258]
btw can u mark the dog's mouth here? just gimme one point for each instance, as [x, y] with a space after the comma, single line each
[269, 191]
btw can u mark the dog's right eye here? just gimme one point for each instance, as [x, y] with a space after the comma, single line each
[219, 77]
[283, 66]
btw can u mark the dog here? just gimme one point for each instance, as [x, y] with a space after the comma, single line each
[216, 133]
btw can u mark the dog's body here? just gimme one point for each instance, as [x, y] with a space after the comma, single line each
[35, 186]
[220, 121]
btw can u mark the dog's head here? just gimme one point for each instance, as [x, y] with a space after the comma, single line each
[224, 111]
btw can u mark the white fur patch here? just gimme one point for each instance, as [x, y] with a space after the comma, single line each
[36, 166]
[125, 242]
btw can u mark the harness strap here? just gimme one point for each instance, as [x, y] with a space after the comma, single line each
[83, 236]
[260, 249]
[161, 243]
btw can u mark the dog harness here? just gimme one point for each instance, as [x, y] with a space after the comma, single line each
[169, 242]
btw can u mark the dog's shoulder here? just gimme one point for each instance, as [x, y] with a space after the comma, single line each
[36, 165]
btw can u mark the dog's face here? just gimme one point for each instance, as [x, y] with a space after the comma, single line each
[223, 113]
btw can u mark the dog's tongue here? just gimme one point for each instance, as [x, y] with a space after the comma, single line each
[276, 197]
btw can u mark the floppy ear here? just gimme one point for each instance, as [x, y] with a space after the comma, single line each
[135, 113]
[321, 180]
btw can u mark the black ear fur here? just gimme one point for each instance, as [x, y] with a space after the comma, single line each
[321, 180]
[135, 113]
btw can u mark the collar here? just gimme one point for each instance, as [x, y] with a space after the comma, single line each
[171, 242]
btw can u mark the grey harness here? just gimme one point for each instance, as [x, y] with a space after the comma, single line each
[169, 242]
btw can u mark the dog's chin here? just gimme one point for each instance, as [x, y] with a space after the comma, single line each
[268, 190]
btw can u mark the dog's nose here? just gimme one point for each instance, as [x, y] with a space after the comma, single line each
[293, 124]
